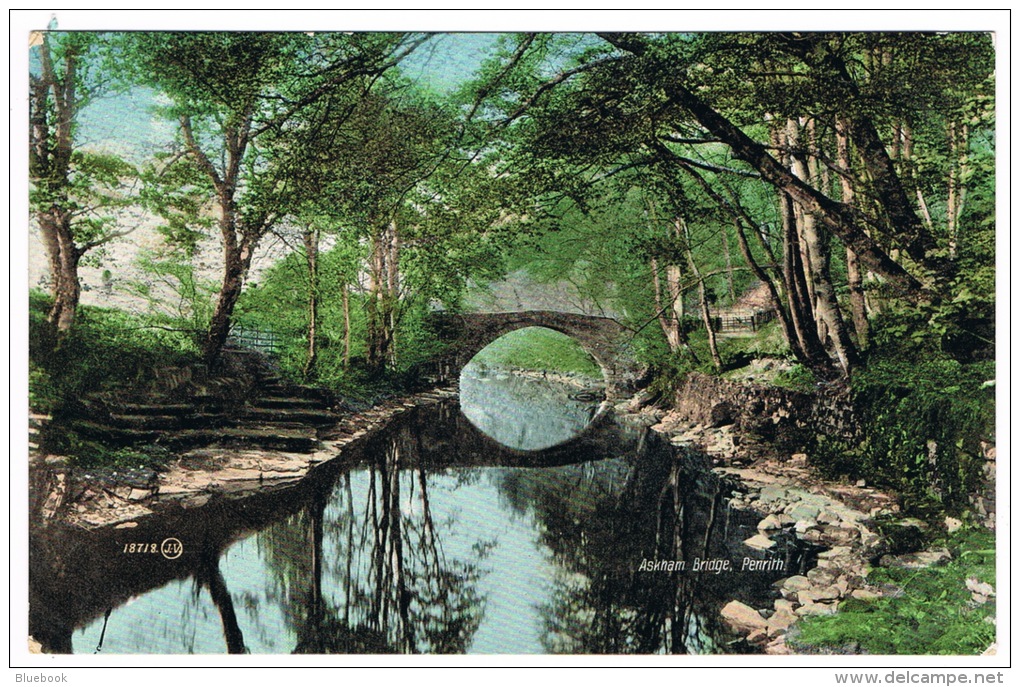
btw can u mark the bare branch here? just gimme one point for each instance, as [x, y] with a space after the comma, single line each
[710, 167]
[200, 157]
[342, 78]
[553, 82]
[106, 238]
[673, 138]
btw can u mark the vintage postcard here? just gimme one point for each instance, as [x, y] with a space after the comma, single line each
[623, 337]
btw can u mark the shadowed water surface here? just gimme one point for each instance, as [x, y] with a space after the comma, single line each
[428, 537]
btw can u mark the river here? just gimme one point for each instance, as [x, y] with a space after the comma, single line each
[524, 529]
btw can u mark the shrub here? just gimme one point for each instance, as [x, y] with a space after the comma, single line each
[106, 349]
[933, 613]
[922, 422]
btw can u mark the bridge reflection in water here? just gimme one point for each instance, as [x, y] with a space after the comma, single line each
[409, 543]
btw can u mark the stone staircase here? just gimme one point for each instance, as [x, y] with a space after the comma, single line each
[36, 423]
[273, 415]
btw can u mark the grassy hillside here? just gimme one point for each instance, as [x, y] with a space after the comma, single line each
[538, 348]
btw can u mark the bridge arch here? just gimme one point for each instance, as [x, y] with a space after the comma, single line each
[603, 338]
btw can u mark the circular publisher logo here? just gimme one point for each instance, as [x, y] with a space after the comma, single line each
[171, 548]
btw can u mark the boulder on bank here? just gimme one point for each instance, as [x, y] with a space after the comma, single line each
[742, 618]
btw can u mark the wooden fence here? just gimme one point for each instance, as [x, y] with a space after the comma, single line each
[733, 322]
[263, 340]
[753, 321]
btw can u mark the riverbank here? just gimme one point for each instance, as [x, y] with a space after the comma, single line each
[198, 475]
[577, 380]
[856, 526]
[94, 499]
[785, 493]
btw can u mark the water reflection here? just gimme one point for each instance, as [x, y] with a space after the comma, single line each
[429, 538]
[523, 412]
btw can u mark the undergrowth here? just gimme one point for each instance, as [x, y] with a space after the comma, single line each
[930, 612]
[923, 423]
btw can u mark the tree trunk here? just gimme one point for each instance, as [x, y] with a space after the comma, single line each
[826, 305]
[393, 291]
[238, 241]
[345, 298]
[311, 241]
[888, 190]
[789, 332]
[222, 318]
[236, 261]
[50, 149]
[801, 313]
[796, 265]
[669, 324]
[775, 298]
[844, 222]
[683, 231]
[828, 319]
[382, 298]
[63, 257]
[909, 168]
[958, 142]
[373, 305]
[729, 265]
[68, 287]
[795, 160]
[855, 283]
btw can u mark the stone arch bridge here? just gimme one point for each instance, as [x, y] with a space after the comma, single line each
[605, 339]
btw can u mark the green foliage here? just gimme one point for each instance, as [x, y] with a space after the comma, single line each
[178, 192]
[279, 302]
[923, 423]
[89, 186]
[43, 394]
[538, 348]
[934, 614]
[768, 342]
[86, 453]
[107, 349]
[797, 378]
[178, 300]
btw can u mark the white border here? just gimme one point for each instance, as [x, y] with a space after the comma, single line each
[22, 21]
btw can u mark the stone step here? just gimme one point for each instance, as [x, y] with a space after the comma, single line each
[264, 436]
[36, 420]
[313, 392]
[313, 416]
[168, 422]
[207, 402]
[293, 391]
[292, 437]
[119, 436]
[162, 409]
[288, 402]
[255, 422]
[148, 421]
[200, 420]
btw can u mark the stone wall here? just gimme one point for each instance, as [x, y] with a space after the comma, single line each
[776, 422]
[768, 419]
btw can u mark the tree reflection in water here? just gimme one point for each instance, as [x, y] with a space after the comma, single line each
[406, 542]
[601, 521]
[363, 568]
